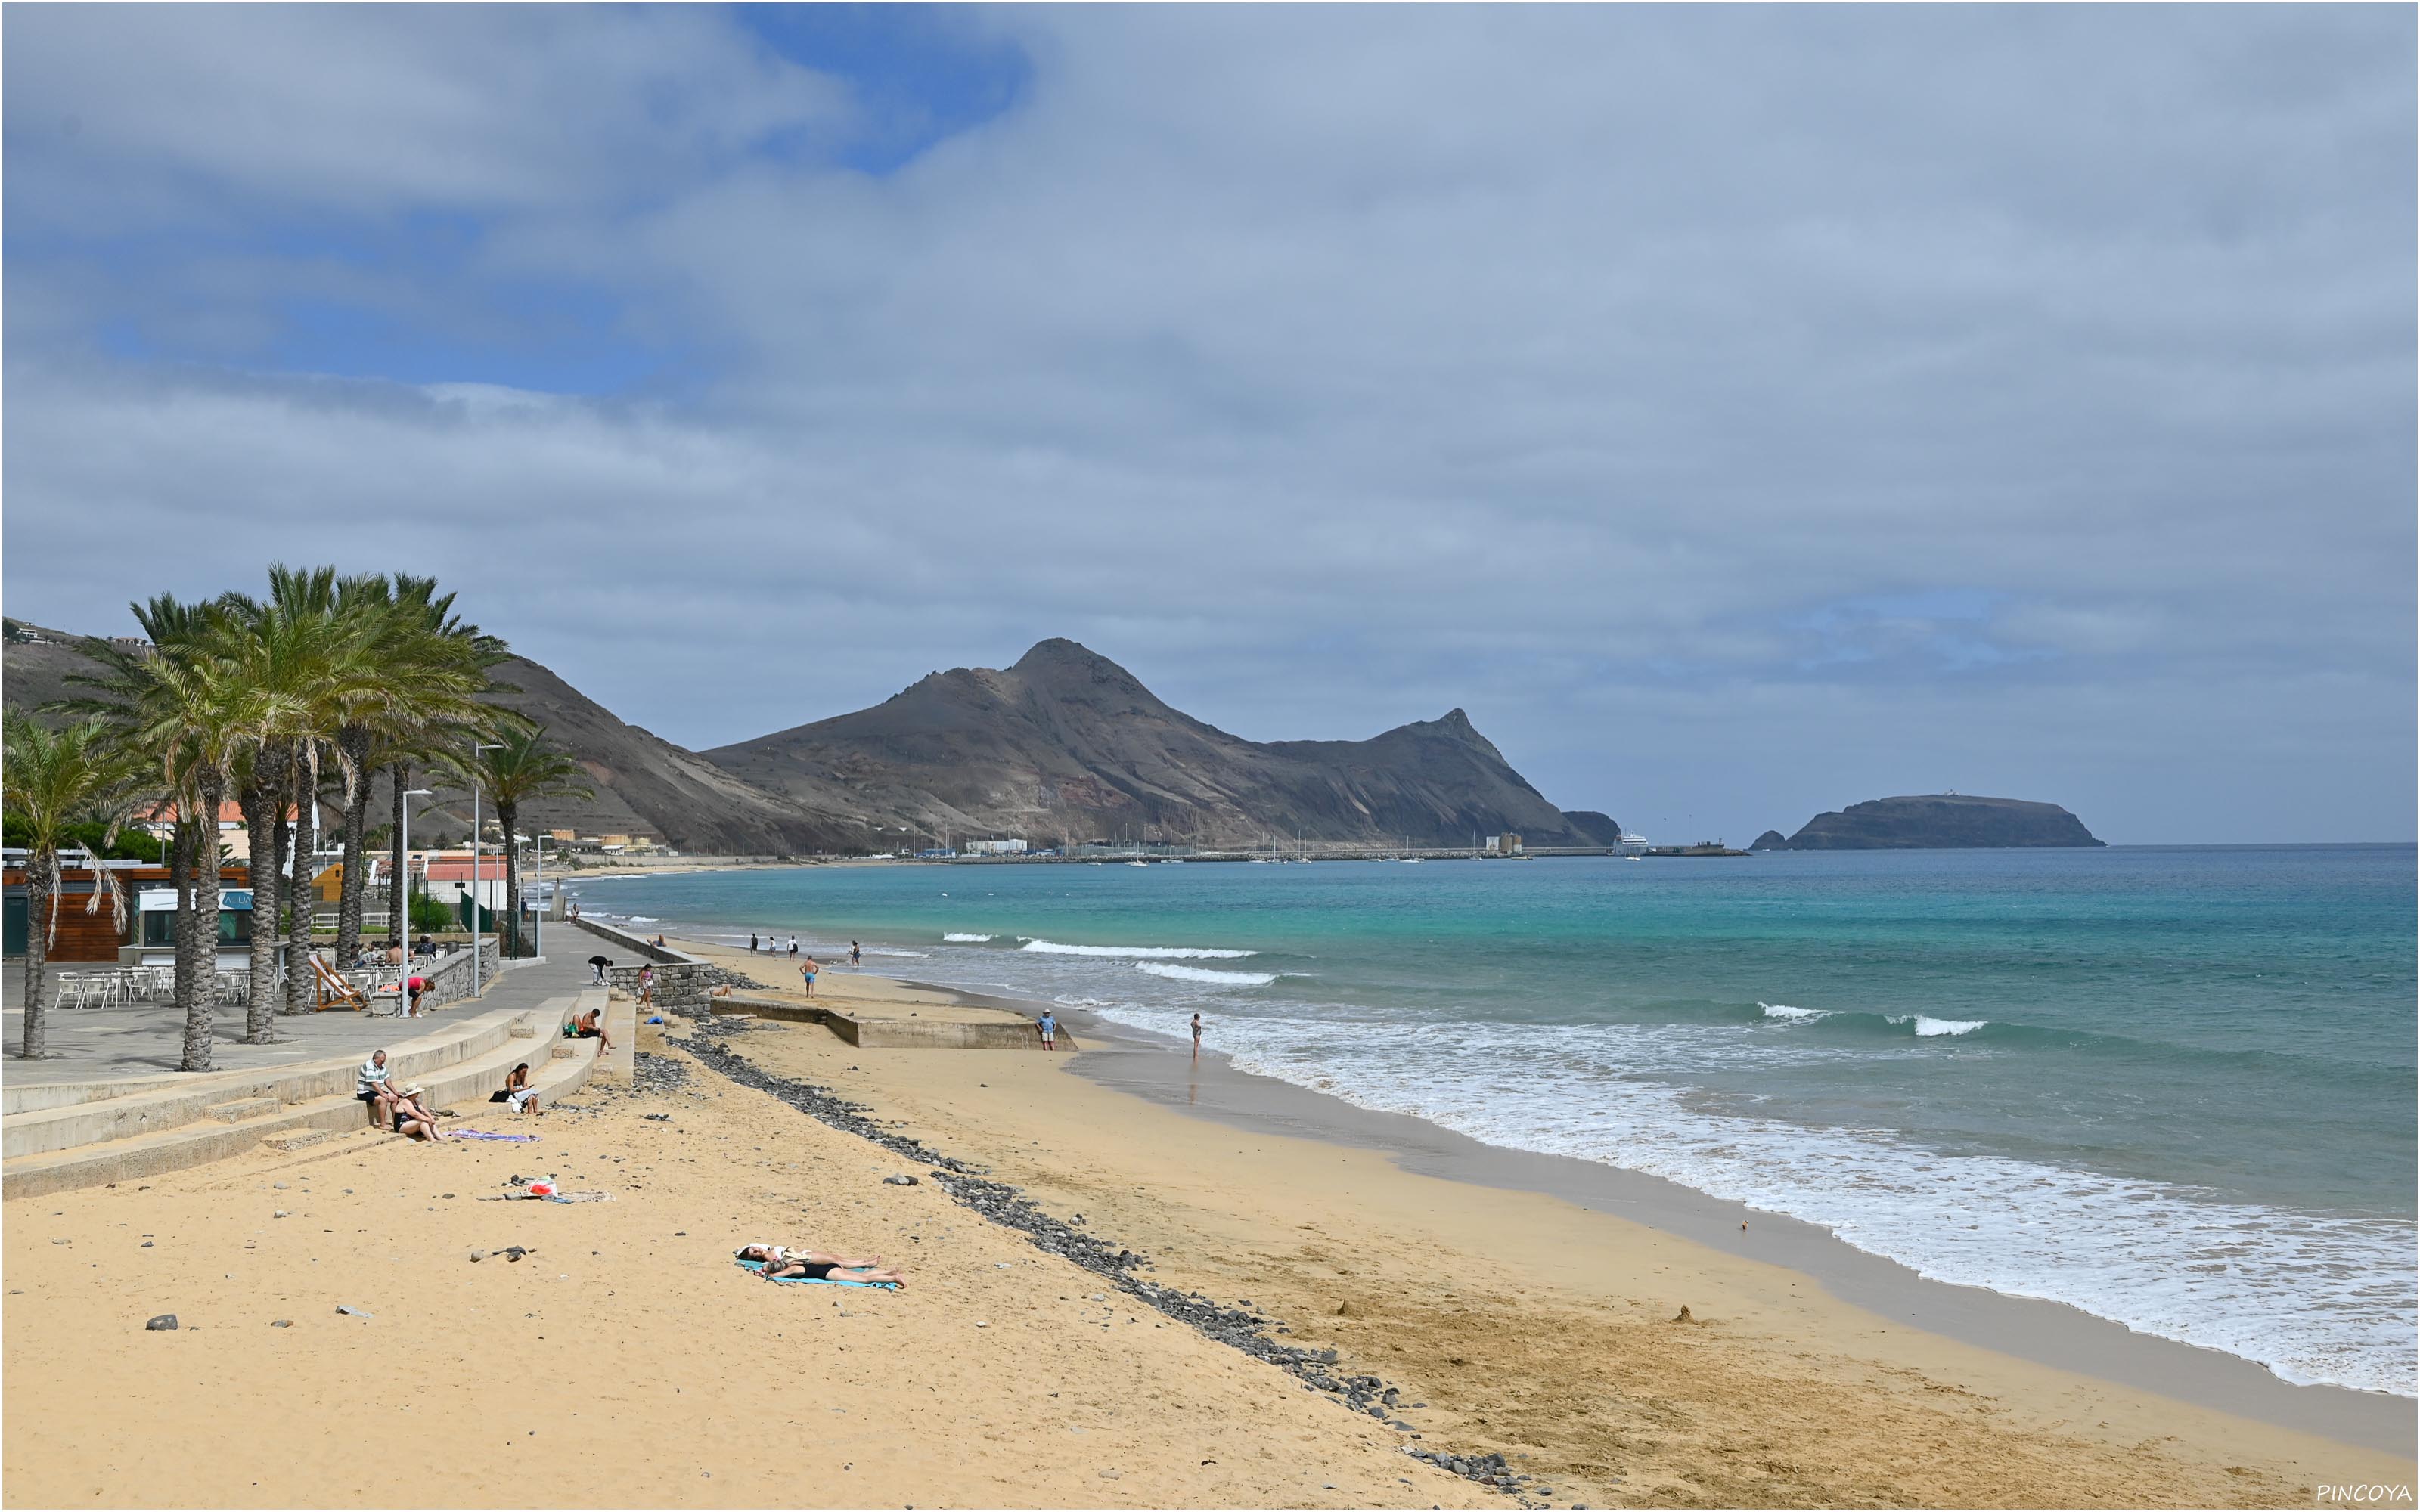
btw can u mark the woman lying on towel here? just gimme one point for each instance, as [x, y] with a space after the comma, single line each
[782, 1263]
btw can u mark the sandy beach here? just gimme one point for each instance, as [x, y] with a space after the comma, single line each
[626, 1360]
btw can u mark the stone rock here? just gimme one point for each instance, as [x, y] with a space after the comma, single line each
[354, 1312]
[898, 1181]
[164, 1323]
[282, 1323]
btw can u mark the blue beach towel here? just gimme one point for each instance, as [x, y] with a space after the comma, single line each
[758, 1266]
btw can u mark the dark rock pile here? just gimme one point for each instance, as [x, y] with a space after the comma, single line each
[1236, 1327]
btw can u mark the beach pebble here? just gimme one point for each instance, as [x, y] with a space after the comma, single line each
[164, 1323]
[978, 1324]
[278, 1186]
[282, 1323]
[478, 1255]
[354, 1312]
[279, 1213]
[63, 1242]
[899, 1181]
[147, 1244]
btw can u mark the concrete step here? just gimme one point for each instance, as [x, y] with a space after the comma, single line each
[250, 1107]
[185, 1100]
[156, 1152]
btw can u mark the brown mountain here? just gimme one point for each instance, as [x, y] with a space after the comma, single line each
[1064, 743]
[1068, 744]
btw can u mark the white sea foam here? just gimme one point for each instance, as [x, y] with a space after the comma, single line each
[644, 919]
[1927, 1029]
[968, 939]
[2314, 1298]
[870, 949]
[1146, 952]
[1203, 974]
[1794, 1015]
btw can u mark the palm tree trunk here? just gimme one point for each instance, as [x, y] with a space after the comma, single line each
[201, 983]
[302, 986]
[182, 870]
[42, 881]
[259, 801]
[281, 854]
[397, 920]
[506, 813]
[355, 896]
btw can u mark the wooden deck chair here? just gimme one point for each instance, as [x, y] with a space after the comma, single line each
[335, 991]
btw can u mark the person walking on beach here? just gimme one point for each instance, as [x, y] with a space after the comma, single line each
[794, 948]
[807, 970]
[854, 959]
[1049, 1025]
[752, 945]
[1197, 1038]
[646, 987]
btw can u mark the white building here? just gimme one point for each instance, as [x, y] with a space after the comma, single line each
[994, 847]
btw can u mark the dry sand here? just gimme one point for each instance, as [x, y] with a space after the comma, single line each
[626, 1362]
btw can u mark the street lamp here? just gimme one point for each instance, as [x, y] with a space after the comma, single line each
[402, 879]
[475, 749]
[537, 885]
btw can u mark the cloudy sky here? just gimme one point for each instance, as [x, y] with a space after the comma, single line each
[1742, 412]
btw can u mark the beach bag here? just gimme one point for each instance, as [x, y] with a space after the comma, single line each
[500, 1095]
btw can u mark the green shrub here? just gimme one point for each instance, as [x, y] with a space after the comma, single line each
[130, 844]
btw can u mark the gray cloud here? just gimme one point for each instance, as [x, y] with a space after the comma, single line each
[1741, 412]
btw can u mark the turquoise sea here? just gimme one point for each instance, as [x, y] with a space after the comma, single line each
[2174, 1086]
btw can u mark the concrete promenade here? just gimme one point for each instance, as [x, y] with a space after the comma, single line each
[148, 1038]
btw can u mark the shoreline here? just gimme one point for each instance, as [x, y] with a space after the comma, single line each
[1519, 1321]
[2042, 1331]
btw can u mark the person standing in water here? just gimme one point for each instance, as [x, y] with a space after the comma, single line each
[807, 970]
[752, 945]
[794, 948]
[1197, 1038]
[855, 959]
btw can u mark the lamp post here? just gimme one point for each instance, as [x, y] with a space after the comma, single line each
[403, 880]
[537, 885]
[475, 749]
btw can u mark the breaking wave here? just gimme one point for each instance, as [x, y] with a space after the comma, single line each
[1215, 978]
[1146, 952]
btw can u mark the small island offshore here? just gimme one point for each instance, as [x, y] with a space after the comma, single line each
[1937, 821]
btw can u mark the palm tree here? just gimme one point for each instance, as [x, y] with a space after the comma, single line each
[55, 778]
[520, 768]
[441, 664]
[182, 709]
[308, 652]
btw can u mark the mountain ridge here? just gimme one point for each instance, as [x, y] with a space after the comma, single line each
[1064, 743]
